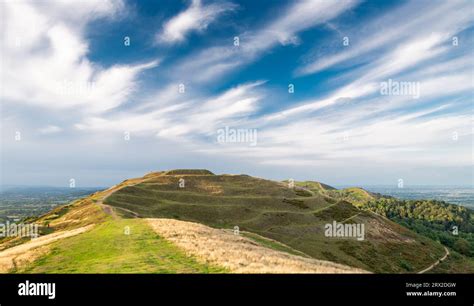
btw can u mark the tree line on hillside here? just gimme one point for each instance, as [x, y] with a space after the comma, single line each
[450, 224]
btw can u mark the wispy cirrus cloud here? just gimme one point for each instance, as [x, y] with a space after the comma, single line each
[419, 46]
[188, 119]
[394, 28]
[216, 61]
[196, 18]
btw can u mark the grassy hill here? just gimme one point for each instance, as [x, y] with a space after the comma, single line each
[274, 221]
[293, 216]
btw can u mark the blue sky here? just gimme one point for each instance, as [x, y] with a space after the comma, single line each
[316, 81]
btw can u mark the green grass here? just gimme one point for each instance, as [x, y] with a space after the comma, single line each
[107, 249]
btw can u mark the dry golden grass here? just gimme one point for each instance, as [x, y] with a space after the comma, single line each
[27, 252]
[237, 253]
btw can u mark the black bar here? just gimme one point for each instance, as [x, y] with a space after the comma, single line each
[380, 289]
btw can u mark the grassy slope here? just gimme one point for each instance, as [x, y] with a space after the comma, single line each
[272, 210]
[74, 215]
[107, 249]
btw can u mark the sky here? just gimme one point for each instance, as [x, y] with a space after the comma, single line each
[346, 92]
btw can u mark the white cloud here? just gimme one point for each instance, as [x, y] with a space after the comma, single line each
[196, 17]
[45, 63]
[407, 141]
[188, 120]
[300, 16]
